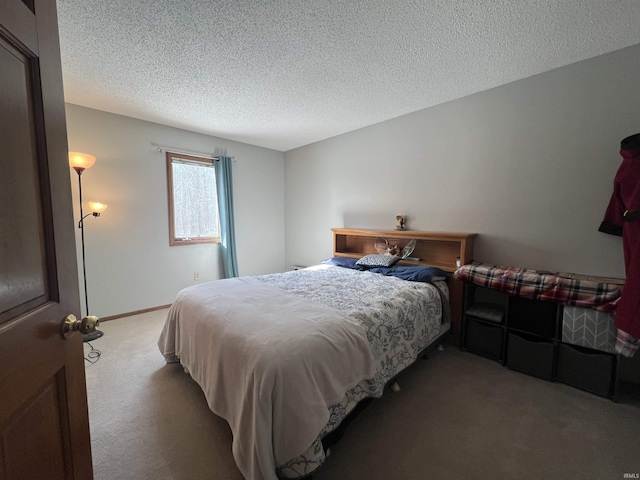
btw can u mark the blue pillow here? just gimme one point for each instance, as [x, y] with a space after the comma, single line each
[345, 262]
[413, 274]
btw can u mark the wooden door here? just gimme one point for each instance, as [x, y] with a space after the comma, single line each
[43, 407]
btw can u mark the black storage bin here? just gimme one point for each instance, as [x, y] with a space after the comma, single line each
[587, 369]
[530, 355]
[483, 339]
[626, 378]
[628, 369]
[533, 316]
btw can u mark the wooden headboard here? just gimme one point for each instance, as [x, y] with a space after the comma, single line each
[437, 249]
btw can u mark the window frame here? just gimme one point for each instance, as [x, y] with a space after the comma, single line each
[173, 240]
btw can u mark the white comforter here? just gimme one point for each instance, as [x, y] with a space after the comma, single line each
[244, 365]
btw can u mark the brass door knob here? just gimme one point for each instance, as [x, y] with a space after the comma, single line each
[71, 324]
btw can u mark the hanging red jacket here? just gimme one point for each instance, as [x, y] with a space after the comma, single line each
[623, 218]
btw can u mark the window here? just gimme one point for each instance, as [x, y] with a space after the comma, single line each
[193, 201]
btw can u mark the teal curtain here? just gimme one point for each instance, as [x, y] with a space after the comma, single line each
[224, 185]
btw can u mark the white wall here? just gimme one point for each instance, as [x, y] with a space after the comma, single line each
[528, 166]
[130, 265]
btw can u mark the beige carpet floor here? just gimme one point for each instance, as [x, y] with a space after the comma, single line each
[457, 416]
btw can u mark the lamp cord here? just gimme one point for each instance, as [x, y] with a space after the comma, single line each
[93, 355]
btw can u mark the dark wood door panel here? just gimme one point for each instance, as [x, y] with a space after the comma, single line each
[19, 22]
[36, 437]
[44, 428]
[23, 267]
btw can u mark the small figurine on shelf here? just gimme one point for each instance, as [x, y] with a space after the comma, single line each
[400, 219]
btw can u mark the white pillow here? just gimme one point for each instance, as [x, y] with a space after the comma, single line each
[377, 260]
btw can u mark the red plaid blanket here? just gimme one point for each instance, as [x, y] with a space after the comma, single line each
[577, 292]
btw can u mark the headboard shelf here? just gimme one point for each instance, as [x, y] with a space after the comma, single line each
[437, 249]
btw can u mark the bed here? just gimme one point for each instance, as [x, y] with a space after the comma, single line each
[284, 358]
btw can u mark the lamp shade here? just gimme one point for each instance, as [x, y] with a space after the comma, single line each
[81, 160]
[97, 207]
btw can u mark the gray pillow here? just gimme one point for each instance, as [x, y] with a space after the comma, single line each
[377, 260]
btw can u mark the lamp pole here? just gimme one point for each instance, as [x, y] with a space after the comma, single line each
[81, 227]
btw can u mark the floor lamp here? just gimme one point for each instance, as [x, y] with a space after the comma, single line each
[80, 162]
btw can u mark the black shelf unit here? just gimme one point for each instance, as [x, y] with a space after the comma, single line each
[528, 340]
[525, 339]
[483, 325]
[532, 338]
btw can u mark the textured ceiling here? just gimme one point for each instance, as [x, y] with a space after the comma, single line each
[286, 73]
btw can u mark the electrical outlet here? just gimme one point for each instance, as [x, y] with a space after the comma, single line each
[196, 275]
